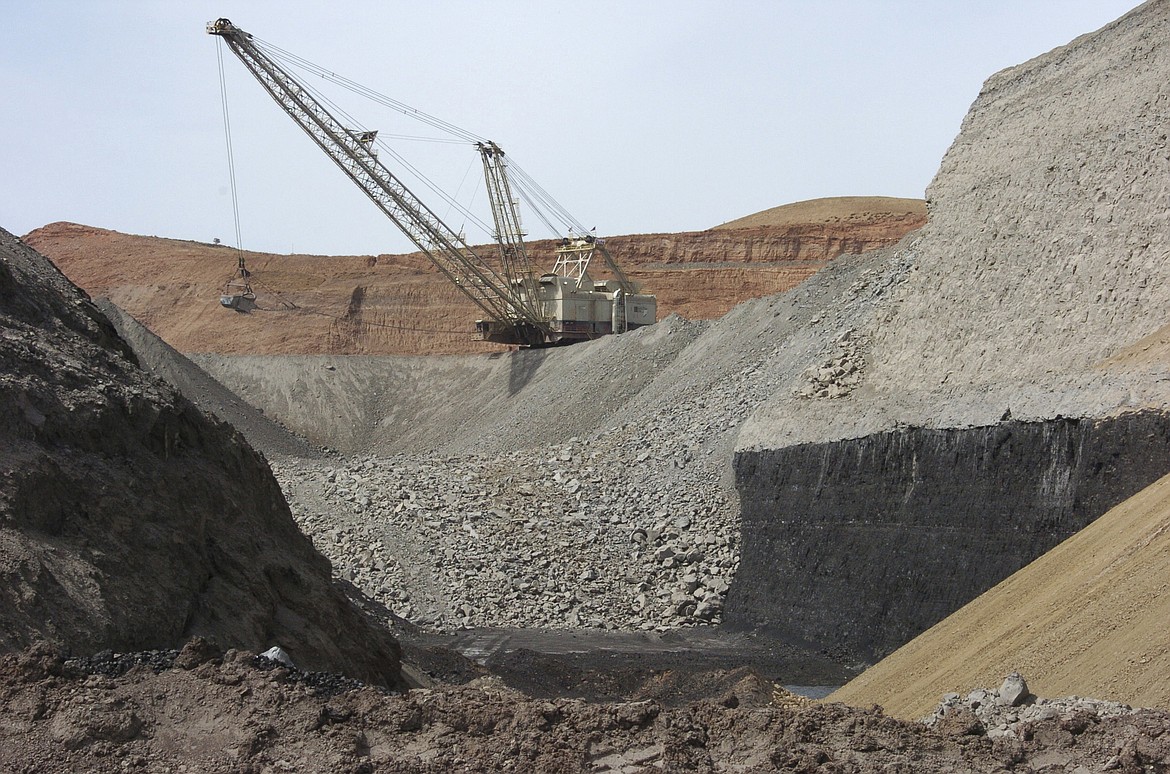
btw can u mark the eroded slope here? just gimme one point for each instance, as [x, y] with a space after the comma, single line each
[129, 519]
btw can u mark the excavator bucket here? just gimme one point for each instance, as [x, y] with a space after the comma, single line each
[238, 303]
[238, 296]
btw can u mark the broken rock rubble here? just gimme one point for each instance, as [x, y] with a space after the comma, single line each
[535, 538]
[1012, 711]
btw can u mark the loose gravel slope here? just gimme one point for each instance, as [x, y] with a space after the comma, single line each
[586, 486]
[1044, 255]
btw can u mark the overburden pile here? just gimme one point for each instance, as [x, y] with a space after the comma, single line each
[131, 520]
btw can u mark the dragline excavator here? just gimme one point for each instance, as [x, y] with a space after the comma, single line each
[520, 306]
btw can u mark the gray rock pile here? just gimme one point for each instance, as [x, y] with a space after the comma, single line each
[555, 537]
[590, 486]
[1043, 257]
[1011, 711]
[839, 371]
[585, 486]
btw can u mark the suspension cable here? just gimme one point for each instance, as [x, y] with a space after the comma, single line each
[459, 190]
[534, 207]
[304, 64]
[528, 182]
[227, 133]
[546, 208]
[399, 158]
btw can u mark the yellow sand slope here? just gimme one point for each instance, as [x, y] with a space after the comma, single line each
[1090, 618]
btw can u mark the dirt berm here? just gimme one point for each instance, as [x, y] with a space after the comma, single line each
[131, 520]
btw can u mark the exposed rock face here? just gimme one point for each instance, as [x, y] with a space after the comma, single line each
[579, 486]
[399, 304]
[1041, 272]
[870, 541]
[128, 519]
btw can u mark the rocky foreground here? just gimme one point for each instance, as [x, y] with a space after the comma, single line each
[202, 710]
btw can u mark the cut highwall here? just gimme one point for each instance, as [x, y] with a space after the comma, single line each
[856, 546]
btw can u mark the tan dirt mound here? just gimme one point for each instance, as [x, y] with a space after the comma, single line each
[1089, 617]
[834, 209]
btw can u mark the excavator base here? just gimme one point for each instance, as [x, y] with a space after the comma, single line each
[514, 334]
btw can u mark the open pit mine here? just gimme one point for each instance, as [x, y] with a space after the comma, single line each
[906, 456]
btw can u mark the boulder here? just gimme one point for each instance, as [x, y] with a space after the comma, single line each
[1014, 690]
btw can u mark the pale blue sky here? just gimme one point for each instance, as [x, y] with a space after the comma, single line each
[637, 116]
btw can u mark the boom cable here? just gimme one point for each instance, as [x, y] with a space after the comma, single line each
[536, 197]
[227, 133]
[304, 64]
[354, 123]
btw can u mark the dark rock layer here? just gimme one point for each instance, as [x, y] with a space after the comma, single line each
[857, 546]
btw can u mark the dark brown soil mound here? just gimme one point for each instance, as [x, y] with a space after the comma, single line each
[194, 717]
[128, 518]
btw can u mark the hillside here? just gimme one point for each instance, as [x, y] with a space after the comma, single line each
[99, 550]
[988, 392]
[1088, 617]
[855, 210]
[398, 304]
